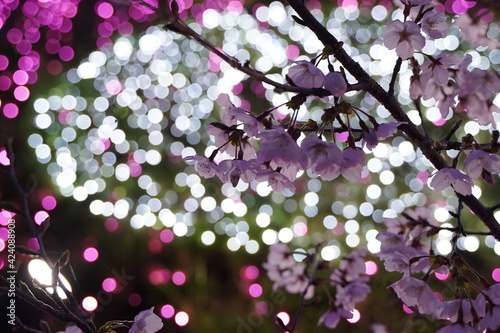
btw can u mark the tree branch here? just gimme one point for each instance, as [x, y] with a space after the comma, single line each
[425, 144]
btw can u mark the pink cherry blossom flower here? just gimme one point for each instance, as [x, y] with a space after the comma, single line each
[347, 296]
[285, 272]
[353, 161]
[491, 321]
[325, 158]
[370, 138]
[450, 310]
[457, 328]
[479, 162]
[437, 68]
[335, 83]
[203, 165]
[146, 322]
[415, 292]
[351, 267]
[226, 116]
[231, 171]
[445, 177]
[332, 317]
[276, 180]
[251, 125]
[475, 32]
[277, 145]
[405, 37]
[387, 130]
[395, 262]
[304, 74]
[434, 24]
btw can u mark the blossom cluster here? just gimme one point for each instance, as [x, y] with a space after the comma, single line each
[349, 280]
[279, 157]
[477, 164]
[405, 248]
[145, 322]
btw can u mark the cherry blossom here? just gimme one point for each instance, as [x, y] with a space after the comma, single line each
[353, 161]
[205, 167]
[276, 180]
[335, 83]
[457, 328]
[146, 322]
[304, 74]
[231, 171]
[405, 37]
[434, 24]
[415, 292]
[478, 163]
[324, 157]
[277, 146]
[331, 318]
[445, 177]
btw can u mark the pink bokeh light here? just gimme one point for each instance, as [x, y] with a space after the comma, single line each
[49, 202]
[111, 224]
[90, 254]
[104, 10]
[167, 311]
[496, 274]
[21, 93]
[4, 160]
[249, 273]
[166, 236]
[179, 278]
[440, 276]
[41, 216]
[300, 229]
[371, 268]
[255, 290]
[109, 285]
[10, 110]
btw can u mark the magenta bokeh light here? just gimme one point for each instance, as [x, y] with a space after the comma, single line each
[255, 290]
[91, 254]
[178, 278]
[20, 77]
[166, 236]
[49, 202]
[41, 216]
[111, 224]
[4, 234]
[104, 10]
[4, 160]
[10, 110]
[496, 274]
[4, 62]
[371, 268]
[167, 311]
[249, 273]
[109, 285]
[21, 93]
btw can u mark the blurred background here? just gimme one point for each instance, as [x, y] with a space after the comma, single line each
[103, 104]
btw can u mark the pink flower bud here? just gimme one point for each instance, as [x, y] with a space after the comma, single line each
[335, 83]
